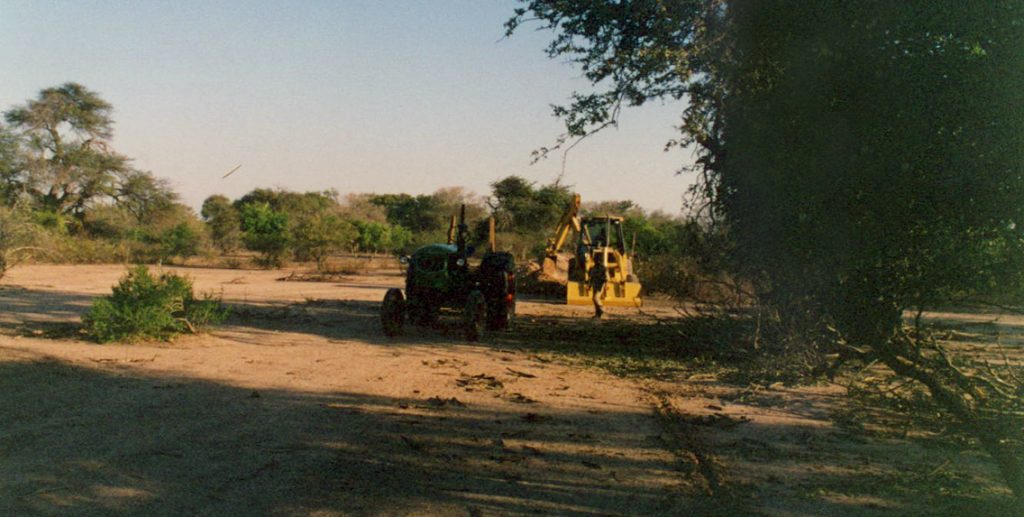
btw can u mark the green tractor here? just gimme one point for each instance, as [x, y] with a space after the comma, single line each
[440, 275]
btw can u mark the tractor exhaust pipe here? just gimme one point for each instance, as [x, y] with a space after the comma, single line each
[462, 231]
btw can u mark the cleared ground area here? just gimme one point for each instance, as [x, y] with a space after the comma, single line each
[300, 406]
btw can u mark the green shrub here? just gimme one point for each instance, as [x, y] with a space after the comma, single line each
[86, 250]
[144, 306]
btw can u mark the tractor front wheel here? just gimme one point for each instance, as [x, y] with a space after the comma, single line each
[392, 312]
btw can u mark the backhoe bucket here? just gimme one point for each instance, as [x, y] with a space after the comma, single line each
[556, 268]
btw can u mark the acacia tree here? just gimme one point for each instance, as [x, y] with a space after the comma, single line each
[865, 156]
[65, 135]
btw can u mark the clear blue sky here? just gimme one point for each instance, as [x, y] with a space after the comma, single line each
[360, 96]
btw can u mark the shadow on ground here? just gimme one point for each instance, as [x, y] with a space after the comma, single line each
[98, 442]
[93, 441]
[109, 440]
[43, 313]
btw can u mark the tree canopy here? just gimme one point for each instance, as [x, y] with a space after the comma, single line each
[875, 155]
[865, 157]
[67, 160]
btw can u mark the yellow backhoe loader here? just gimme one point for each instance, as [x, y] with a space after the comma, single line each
[599, 239]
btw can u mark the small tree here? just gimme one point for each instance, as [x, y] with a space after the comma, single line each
[265, 231]
[320, 235]
[380, 237]
[181, 240]
[223, 221]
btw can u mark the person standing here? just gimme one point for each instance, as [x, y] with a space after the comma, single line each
[598, 283]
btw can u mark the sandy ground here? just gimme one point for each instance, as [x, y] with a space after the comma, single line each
[300, 406]
[308, 412]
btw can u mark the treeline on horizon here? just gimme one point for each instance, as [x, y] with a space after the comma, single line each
[67, 196]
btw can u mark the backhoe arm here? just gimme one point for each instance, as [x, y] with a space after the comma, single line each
[570, 220]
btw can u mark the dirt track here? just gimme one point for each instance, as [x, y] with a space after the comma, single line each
[305, 408]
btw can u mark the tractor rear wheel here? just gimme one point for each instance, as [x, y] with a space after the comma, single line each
[392, 312]
[501, 303]
[499, 315]
[497, 281]
[474, 315]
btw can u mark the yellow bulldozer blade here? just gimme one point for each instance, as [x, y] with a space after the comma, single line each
[624, 294]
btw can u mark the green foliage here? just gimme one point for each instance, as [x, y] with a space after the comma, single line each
[223, 221]
[318, 225]
[872, 159]
[169, 231]
[57, 223]
[10, 168]
[381, 237]
[291, 203]
[265, 231]
[143, 195]
[522, 208]
[416, 213]
[321, 234]
[875, 166]
[428, 216]
[19, 238]
[180, 240]
[896, 187]
[144, 306]
[80, 249]
[361, 207]
[866, 156]
[56, 160]
[109, 222]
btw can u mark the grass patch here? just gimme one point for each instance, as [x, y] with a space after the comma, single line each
[649, 348]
